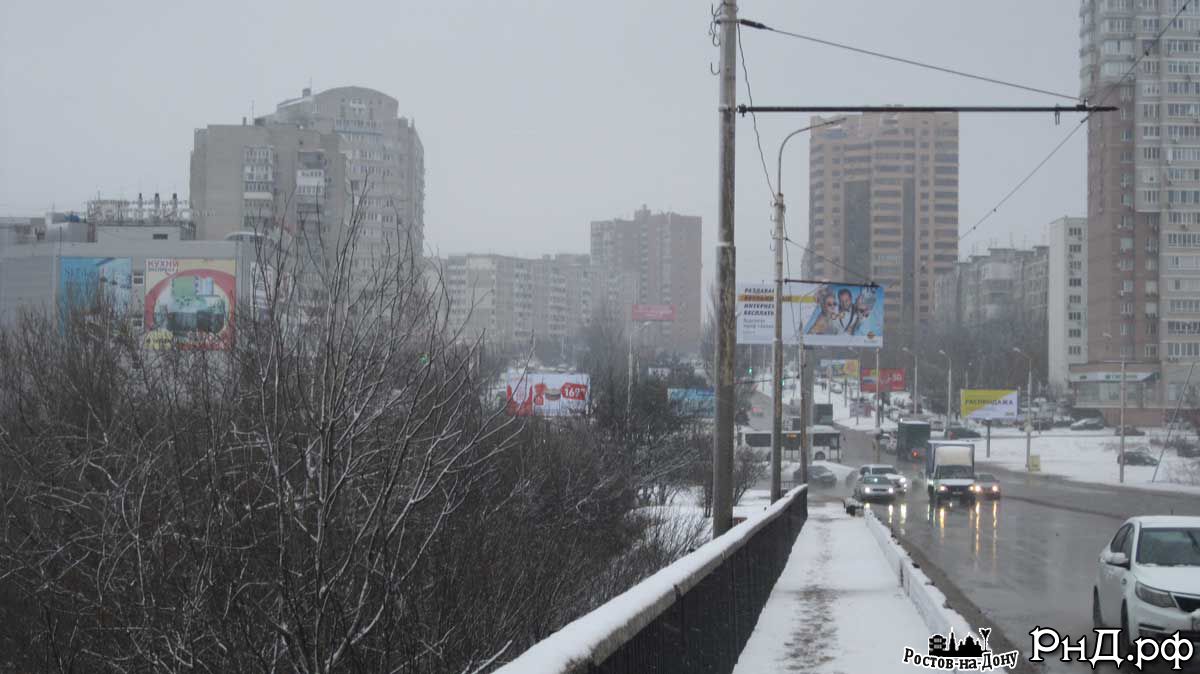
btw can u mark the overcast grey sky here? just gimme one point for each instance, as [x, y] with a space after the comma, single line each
[537, 117]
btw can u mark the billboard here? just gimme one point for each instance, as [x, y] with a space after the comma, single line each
[893, 380]
[654, 312]
[822, 314]
[840, 368]
[984, 405]
[546, 395]
[82, 281]
[701, 402]
[189, 303]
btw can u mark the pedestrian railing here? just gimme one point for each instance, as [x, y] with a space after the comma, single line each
[693, 616]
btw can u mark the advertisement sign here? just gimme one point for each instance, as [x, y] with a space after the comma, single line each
[1110, 376]
[840, 368]
[546, 395]
[83, 281]
[700, 402]
[984, 405]
[189, 303]
[822, 314]
[654, 312]
[893, 380]
[659, 372]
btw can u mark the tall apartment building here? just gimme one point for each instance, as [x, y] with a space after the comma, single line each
[1143, 196]
[1066, 299]
[514, 301]
[883, 202]
[314, 161]
[652, 259]
[385, 160]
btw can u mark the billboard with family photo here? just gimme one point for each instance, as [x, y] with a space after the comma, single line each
[189, 303]
[820, 314]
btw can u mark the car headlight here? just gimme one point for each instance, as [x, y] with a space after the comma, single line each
[943, 488]
[1153, 596]
[891, 490]
[974, 487]
[996, 488]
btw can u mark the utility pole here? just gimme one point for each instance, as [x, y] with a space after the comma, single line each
[777, 352]
[949, 389]
[1121, 478]
[1028, 407]
[726, 277]
[878, 384]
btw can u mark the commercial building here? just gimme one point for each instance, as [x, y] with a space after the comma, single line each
[883, 206]
[651, 259]
[1066, 299]
[1143, 280]
[515, 301]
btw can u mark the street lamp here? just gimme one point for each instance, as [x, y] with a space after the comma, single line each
[1028, 406]
[1121, 428]
[777, 345]
[916, 377]
[949, 389]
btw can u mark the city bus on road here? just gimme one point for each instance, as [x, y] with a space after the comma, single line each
[826, 441]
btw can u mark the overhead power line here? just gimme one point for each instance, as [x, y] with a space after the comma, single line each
[899, 59]
[753, 118]
[1107, 93]
[822, 257]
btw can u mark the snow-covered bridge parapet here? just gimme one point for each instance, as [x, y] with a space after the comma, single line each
[693, 616]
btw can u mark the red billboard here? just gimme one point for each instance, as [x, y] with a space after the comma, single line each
[893, 380]
[654, 312]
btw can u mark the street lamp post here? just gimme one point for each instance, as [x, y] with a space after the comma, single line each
[1028, 406]
[916, 378]
[777, 345]
[949, 389]
[1121, 427]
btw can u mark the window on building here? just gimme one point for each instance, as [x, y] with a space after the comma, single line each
[1074, 332]
[1075, 282]
[1151, 351]
[1074, 350]
[1127, 308]
[1074, 315]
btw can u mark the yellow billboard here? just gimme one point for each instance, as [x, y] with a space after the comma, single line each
[988, 404]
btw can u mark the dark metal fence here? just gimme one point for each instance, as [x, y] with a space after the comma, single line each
[694, 616]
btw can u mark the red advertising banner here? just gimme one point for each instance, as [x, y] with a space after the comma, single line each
[654, 312]
[546, 395]
[893, 380]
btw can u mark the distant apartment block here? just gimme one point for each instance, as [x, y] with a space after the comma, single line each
[1007, 285]
[317, 161]
[883, 206]
[1066, 299]
[514, 301]
[653, 258]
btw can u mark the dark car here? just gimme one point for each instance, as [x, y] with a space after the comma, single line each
[1043, 424]
[1088, 424]
[957, 432]
[818, 476]
[1138, 456]
[875, 488]
[986, 486]
[1129, 430]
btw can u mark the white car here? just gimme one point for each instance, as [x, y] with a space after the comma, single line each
[886, 470]
[1148, 579]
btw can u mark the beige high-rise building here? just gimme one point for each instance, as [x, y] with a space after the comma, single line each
[652, 259]
[1143, 201]
[883, 203]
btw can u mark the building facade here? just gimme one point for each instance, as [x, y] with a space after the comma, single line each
[1143, 293]
[515, 301]
[883, 203]
[1066, 337]
[653, 258]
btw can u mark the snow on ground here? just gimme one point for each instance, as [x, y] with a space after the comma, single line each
[836, 608]
[1085, 456]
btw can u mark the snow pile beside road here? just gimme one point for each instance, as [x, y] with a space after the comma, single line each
[928, 600]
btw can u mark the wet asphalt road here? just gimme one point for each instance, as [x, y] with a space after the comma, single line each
[1027, 559]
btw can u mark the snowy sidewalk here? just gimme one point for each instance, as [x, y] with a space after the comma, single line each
[837, 606]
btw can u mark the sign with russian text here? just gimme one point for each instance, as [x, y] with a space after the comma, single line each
[988, 405]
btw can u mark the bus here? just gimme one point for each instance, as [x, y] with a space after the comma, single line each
[826, 441]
